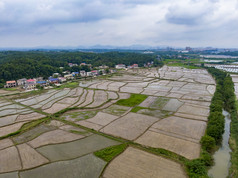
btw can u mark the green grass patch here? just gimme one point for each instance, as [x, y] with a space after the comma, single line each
[155, 113]
[79, 132]
[134, 100]
[109, 153]
[137, 108]
[10, 89]
[68, 85]
[184, 65]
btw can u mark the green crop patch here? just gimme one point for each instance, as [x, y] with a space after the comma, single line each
[109, 153]
[134, 100]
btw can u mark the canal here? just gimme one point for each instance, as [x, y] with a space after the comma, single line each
[222, 156]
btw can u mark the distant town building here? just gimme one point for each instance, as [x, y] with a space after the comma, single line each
[188, 48]
[120, 66]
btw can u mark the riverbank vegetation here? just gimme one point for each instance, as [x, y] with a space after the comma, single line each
[224, 97]
[215, 125]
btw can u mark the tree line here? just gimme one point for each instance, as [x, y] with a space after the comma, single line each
[223, 98]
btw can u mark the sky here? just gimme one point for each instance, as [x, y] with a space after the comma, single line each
[72, 23]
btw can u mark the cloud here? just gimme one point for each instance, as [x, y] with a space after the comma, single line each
[118, 22]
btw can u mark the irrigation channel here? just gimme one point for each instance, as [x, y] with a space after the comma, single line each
[222, 156]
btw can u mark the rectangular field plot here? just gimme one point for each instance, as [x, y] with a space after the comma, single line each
[102, 118]
[115, 86]
[76, 148]
[129, 126]
[182, 147]
[53, 137]
[194, 110]
[184, 127]
[100, 97]
[135, 163]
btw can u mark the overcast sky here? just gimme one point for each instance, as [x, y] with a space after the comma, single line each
[195, 23]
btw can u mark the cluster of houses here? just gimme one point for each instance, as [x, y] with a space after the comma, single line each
[57, 79]
[27, 84]
[123, 66]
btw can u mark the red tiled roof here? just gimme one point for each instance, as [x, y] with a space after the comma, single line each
[13, 81]
[31, 80]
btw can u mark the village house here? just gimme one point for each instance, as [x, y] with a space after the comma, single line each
[94, 72]
[66, 72]
[42, 83]
[62, 79]
[112, 71]
[120, 66]
[134, 66]
[21, 82]
[30, 84]
[71, 64]
[75, 74]
[69, 77]
[39, 79]
[103, 67]
[89, 74]
[53, 80]
[10, 84]
[83, 73]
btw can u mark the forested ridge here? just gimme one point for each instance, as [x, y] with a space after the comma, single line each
[16, 64]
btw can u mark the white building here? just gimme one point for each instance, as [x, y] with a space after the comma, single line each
[120, 66]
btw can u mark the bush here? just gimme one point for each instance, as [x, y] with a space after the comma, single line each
[208, 143]
[206, 158]
[196, 168]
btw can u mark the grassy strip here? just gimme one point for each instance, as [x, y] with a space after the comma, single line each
[68, 85]
[109, 153]
[27, 126]
[184, 65]
[137, 108]
[134, 100]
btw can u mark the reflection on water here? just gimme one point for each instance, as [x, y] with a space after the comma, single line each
[222, 156]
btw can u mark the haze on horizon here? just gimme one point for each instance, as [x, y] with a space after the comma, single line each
[32, 23]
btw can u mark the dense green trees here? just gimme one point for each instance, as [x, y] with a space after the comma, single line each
[15, 64]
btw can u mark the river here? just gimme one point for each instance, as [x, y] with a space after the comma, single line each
[222, 156]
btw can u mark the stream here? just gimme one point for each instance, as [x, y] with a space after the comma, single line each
[222, 156]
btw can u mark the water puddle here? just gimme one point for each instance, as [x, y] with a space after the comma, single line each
[222, 156]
